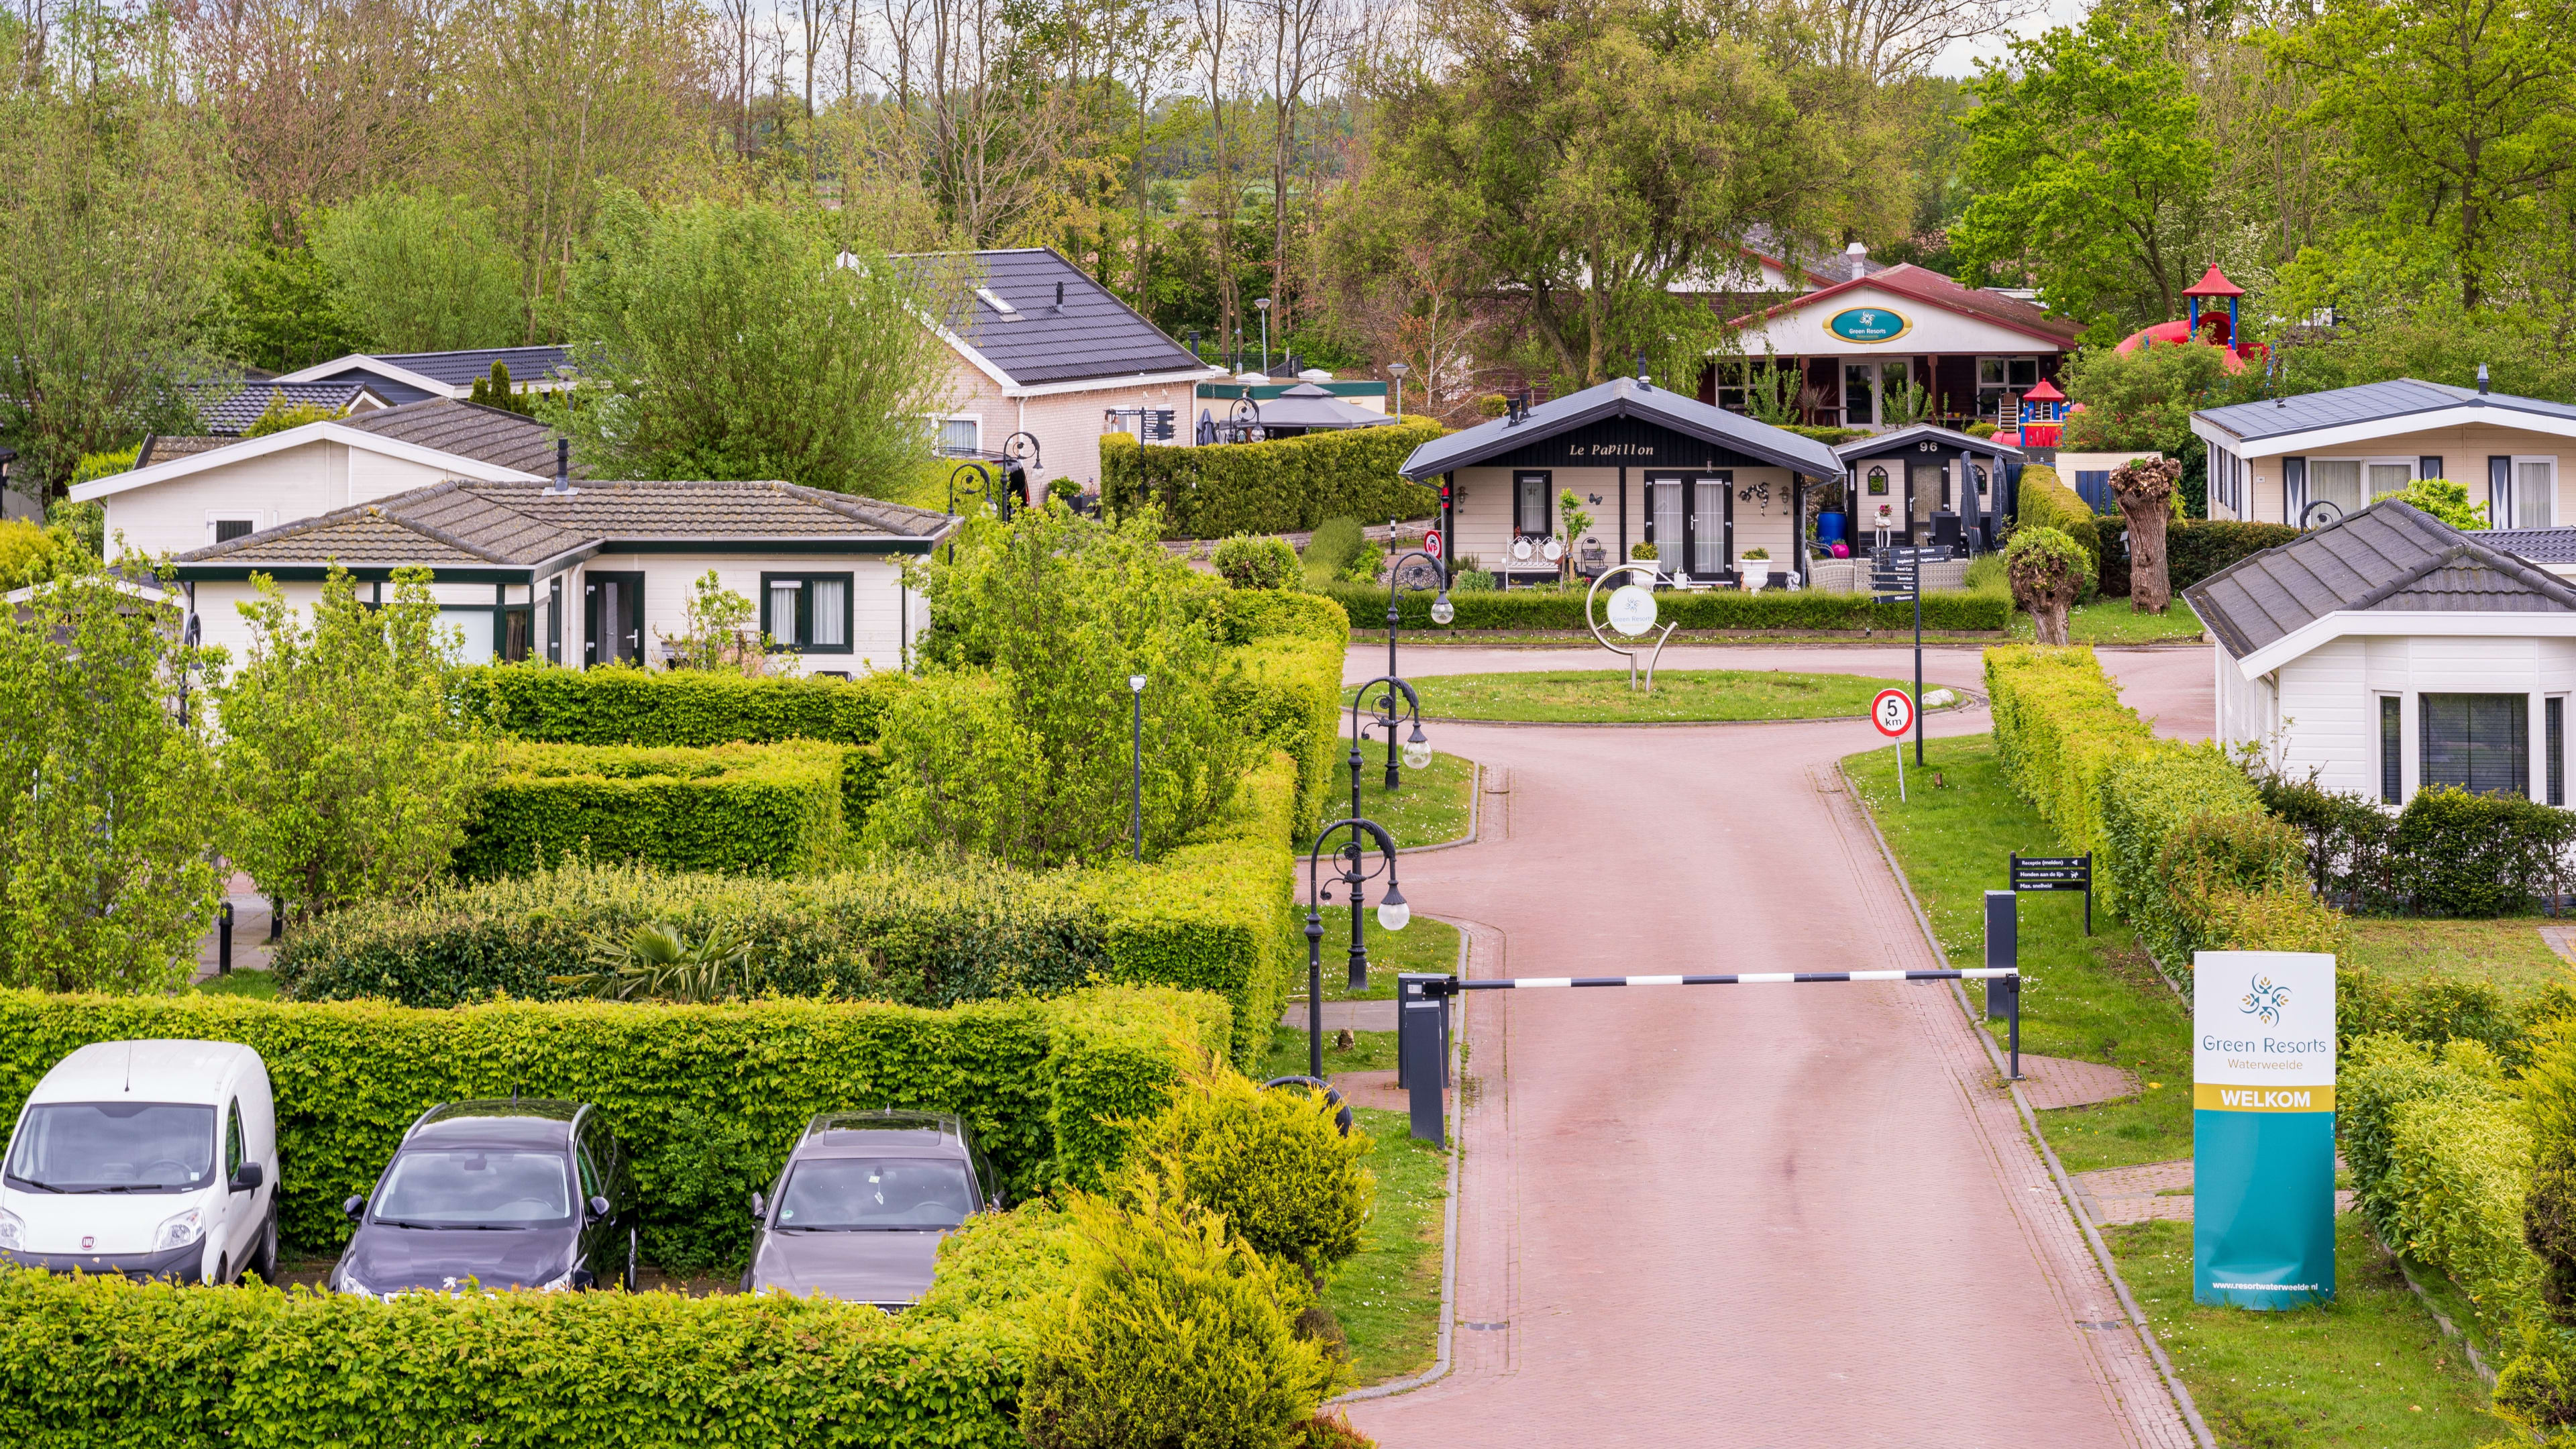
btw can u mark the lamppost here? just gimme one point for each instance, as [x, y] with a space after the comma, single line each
[1136, 769]
[982, 489]
[1263, 303]
[1355, 874]
[1417, 745]
[1397, 370]
[1442, 611]
[1243, 431]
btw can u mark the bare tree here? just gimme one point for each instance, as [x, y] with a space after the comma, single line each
[1303, 42]
[1217, 64]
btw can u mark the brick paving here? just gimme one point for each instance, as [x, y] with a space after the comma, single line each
[2062, 1082]
[1755, 1216]
[2151, 1191]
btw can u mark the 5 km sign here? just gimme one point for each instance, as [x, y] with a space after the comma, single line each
[1892, 712]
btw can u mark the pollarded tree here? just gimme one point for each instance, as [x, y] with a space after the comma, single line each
[348, 759]
[2144, 488]
[2046, 569]
[107, 797]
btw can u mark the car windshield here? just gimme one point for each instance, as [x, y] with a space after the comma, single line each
[114, 1147]
[466, 1188]
[846, 1193]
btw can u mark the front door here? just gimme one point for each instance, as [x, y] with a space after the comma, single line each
[1690, 520]
[612, 618]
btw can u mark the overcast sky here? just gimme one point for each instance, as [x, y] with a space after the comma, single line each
[1961, 58]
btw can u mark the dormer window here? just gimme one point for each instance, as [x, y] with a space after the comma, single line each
[993, 299]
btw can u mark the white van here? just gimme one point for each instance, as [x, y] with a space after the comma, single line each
[155, 1159]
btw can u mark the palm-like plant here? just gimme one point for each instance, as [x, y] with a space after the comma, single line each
[655, 962]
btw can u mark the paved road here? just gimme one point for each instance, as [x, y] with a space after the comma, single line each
[1759, 1216]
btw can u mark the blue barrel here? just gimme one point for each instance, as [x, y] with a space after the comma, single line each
[1829, 528]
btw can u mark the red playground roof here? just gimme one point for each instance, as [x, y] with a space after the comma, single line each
[2174, 334]
[2045, 392]
[2213, 283]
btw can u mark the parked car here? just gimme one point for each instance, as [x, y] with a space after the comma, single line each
[860, 1208]
[515, 1194]
[154, 1159]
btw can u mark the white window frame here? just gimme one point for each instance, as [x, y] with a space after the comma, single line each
[2365, 463]
[229, 515]
[1990, 396]
[939, 426]
[2550, 514]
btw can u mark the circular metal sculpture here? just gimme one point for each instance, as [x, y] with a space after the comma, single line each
[2320, 513]
[1629, 618]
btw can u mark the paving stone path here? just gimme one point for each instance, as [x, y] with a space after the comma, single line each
[2151, 1191]
[1749, 1216]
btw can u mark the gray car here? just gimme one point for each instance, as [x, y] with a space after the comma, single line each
[860, 1208]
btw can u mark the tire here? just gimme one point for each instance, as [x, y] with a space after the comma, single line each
[630, 1259]
[223, 1271]
[263, 1261]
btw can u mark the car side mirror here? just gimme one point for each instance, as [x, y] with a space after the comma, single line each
[599, 1207]
[354, 1209]
[248, 1177]
[759, 1208]
[996, 1203]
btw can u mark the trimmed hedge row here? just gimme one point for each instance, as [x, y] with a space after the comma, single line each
[2042, 500]
[709, 1098]
[103, 1362]
[774, 809]
[915, 932]
[2183, 846]
[2198, 547]
[1275, 487]
[2441, 1159]
[1365, 606]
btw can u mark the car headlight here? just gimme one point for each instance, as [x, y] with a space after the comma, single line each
[13, 1232]
[353, 1287]
[180, 1231]
[562, 1284]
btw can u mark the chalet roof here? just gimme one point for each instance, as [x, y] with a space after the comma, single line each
[1090, 334]
[1625, 397]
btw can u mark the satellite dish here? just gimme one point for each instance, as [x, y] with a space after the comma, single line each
[1552, 550]
[2320, 513]
[1521, 549]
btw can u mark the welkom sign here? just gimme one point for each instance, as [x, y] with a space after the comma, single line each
[2263, 1120]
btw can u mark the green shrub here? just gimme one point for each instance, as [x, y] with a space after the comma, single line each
[2457, 854]
[1274, 487]
[104, 1362]
[2441, 1163]
[1329, 551]
[1271, 1163]
[1287, 694]
[920, 932]
[2434, 1011]
[1175, 1333]
[768, 809]
[1050, 1088]
[1247, 561]
[2198, 547]
[1805, 609]
[2044, 501]
[1001, 1266]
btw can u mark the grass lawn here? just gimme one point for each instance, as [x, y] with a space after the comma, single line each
[1369, 1051]
[244, 981]
[2099, 999]
[2112, 621]
[2507, 954]
[1431, 807]
[1422, 946]
[1388, 1297]
[1602, 695]
[2367, 1371]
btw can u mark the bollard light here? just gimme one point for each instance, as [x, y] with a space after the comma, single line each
[1392, 912]
[1417, 750]
[1442, 611]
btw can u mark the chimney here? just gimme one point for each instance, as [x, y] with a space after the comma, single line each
[1642, 379]
[1059, 296]
[2482, 379]
[563, 466]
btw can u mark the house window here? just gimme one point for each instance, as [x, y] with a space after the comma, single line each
[2532, 496]
[2388, 476]
[806, 612]
[1997, 376]
[959, 436]
[474, 622]
[2477, 742]
[1530, 504]
[225, 530]
[2336, 481]
[2392, 743]
[2553, 740]
[1858, 389]
[1878, 482]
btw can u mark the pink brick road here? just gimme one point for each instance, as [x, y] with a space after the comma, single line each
[1741, 1216]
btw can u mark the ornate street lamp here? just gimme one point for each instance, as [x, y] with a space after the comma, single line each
[1355, 872]
[1417, 745]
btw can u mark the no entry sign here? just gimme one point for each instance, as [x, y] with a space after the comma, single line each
[1892, 712]
[1431, 542]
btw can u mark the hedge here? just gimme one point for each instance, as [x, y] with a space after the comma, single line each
[1807, 609]
[619, 705]
[708, 1098]
[2448, 853]
[2182, 845]
[2196, 548]
[775, 809]
[2441, 1159]
[919, 932]
[1275, 487]
[2042, 500]
[104, 1362]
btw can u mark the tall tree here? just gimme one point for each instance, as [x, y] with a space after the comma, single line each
[2093, 171]
[420, 273]
[2460, 111]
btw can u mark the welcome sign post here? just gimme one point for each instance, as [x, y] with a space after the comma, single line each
[2262, 1128]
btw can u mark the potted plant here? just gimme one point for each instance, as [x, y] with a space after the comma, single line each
[1755, 565]
[1643, 553]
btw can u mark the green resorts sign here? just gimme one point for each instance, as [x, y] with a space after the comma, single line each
[1868, 324]
[2262, 1128]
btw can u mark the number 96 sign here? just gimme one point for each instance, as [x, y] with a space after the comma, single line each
[1892, 712]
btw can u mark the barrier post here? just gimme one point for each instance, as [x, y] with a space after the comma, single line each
[2003, 953]
[224, 939]
[1420, 1011]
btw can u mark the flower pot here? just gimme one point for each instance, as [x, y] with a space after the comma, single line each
[1756, 572]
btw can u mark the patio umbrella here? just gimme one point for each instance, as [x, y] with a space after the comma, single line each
[1207, 429]
[1308, 405]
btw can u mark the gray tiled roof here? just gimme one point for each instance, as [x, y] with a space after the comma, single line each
[2369, 402]
[468, 430]
[1094, 335]
[2539, 545]
[461, 369]
[231, 408]
[524, 524]
[1879, 443]
[1625, 397]
[2387, 556]
[162, 447]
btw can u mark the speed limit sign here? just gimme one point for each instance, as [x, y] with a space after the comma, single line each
[1892, 712]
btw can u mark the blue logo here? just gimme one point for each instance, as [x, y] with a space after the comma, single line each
[2265, 1002]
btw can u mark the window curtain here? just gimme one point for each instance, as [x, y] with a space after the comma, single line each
[2477, 742]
